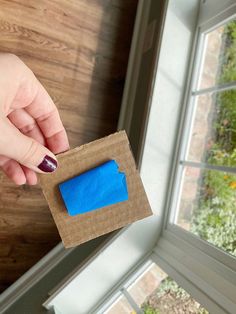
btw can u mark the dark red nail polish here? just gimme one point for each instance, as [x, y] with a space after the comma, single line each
[48, 164]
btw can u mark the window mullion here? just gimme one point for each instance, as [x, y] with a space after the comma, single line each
[214, 89]
[202, 272]
[131, 301]
[207, 166]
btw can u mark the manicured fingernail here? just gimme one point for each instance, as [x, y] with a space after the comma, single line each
[48, 164]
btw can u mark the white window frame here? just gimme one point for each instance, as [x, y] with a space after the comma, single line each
[121, 289]
[205, 271]
[187, 120]
[188, 117]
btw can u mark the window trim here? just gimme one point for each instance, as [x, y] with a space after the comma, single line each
[165, 256]
[202, 246]
[218, 19]
[131, 301]
[214, 89]
[217, 300]
[207, 166]
[130, 278]
[175, 174]
[164, 261]
[207, 274]
[186, 119]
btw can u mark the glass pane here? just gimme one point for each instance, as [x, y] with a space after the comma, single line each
[120, 306]
[146, 284]
[219, 60]
[207, 207]
[213, 134]
[156, 293]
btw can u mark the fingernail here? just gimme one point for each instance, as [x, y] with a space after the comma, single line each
[48, 164]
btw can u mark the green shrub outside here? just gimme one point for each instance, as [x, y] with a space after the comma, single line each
[214, 217]
[147, 309]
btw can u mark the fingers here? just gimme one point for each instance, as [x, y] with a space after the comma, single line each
[26, 124]
[44, 111]
[13, 170]
[58, 143]
[25, 150]
[31, 177]
[29, 108]
[21, 90]
[17, 173]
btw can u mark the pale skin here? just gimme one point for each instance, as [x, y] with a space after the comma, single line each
[30, 125]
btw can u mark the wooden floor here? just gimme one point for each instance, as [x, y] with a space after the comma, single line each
[79, 51]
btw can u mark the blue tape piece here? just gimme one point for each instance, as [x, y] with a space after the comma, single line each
[96, 188]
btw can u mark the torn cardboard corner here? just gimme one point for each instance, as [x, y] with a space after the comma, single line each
[75, 230]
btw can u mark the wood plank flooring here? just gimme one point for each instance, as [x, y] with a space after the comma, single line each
[79, 51]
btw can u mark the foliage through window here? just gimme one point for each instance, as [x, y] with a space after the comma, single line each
[206, 205]
[154, 292]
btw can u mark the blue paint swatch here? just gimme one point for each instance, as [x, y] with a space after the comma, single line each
[93, 189]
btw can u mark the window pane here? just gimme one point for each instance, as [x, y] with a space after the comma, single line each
[207, 206]
[167, 297]
[120, 306]
[219, 60]
[213, 134]
[156, 293]
[146, 284]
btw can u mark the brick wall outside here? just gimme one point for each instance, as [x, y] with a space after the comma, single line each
[201, 136]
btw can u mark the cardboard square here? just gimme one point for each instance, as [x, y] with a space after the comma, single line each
[75, 230]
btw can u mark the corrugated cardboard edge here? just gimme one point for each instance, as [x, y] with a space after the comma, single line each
[95, 143]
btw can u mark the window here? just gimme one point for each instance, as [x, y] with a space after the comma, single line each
[198, 243]
[206, 181]
[152, 291]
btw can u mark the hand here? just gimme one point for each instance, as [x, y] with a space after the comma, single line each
[31, 131]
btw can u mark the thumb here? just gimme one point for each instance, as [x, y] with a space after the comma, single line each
[25, 150]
